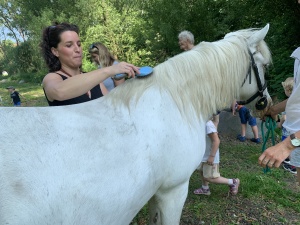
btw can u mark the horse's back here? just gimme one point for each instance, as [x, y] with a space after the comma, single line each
[81, 163]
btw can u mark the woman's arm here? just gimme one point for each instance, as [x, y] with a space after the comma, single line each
[58, 89]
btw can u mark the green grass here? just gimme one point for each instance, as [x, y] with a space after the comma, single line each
[263, 198]
[32, 94]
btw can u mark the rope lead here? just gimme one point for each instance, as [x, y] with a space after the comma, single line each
[270, 124]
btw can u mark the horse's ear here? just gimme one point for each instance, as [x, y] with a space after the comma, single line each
[258, 36]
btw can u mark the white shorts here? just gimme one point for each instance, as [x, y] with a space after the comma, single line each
[295, 157]
[209, 171]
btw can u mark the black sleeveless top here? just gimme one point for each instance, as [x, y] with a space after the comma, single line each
[95, 93]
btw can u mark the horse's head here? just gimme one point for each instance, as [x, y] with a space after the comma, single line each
[254, 87]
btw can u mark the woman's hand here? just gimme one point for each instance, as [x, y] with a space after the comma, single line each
[124, 67]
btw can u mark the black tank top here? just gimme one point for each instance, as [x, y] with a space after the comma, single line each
[95, 93]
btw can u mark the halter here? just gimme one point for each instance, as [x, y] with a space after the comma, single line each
[262, 102]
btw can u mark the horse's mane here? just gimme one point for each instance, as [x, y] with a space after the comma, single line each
[202, 80]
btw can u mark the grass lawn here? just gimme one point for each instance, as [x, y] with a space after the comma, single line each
[32, 94]
[263, 198]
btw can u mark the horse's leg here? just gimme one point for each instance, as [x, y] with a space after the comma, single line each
[165, 207]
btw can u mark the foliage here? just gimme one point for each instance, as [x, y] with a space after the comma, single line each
[144, 32]
[12, 18]
[5, 55]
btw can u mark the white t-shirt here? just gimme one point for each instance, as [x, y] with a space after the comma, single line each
[292, 122]
[210, 128]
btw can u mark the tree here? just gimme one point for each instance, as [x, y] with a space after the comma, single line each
[11, 18]
[144, 32]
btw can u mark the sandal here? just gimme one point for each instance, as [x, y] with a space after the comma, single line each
[202, 191]
[234, 188]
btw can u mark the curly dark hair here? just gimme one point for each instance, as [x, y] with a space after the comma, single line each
[51, 38]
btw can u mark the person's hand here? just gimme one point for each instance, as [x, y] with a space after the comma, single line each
[274, 110]
[124, 67]
[275, 155]
[210, 160]
[270, 112]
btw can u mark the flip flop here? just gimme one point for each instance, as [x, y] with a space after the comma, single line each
[144, 72]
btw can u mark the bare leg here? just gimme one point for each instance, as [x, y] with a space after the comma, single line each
[255, 131]
[166, 206]
[204, 181]
[244, 127]
[218, 180]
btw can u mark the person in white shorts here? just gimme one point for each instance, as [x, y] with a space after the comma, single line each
[209, 167]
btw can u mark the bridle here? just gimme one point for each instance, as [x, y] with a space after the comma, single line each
[262, 102]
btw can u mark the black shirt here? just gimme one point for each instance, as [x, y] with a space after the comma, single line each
[15, 96]
[95, 93]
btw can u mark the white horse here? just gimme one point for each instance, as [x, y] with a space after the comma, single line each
[100, 162]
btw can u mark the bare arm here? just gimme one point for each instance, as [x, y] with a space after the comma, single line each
[118, 82]
[215, 142]
[233, 107]
[58, 89]
[276, 109]
[275, 155]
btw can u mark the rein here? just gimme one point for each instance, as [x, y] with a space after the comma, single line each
[261, 87]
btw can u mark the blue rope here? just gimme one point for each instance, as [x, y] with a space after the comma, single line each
[270, 124]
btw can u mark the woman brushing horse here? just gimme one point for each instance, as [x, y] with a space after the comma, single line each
[65, 84]
[65, 168]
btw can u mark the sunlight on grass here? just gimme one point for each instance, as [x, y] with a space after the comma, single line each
[31, 94]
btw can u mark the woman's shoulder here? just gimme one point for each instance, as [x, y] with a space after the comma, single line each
[52, 76]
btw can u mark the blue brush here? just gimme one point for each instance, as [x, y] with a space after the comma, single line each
[144, 72]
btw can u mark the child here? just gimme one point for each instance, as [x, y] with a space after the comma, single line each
[245, 117]
[209, 167]
[14, 95]
[287, 85]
